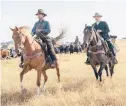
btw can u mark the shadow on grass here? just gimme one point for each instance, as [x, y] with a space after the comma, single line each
[75, 86]
[15, 98]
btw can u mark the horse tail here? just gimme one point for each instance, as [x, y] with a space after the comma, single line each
[60, 36]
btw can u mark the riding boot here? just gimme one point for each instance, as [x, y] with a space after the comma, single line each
[111, 47]
[21, 65]
[87, 61]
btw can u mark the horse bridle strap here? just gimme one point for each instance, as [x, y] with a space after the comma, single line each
[26, 38]
[32, 56]
[97, 52]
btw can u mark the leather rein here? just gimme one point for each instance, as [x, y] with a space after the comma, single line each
[98, 43]
[33, 54]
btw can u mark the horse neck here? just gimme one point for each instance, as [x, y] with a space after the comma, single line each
[94, 41]
[28, 44]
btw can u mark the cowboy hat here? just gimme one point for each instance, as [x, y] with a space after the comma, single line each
[97, 15]
[40, 11]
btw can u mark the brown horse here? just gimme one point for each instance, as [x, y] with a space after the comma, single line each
[4, 54]
[34, 56]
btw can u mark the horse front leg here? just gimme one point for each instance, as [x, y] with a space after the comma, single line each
[38, 81]
[24, 71]
[95, 70]
[57, 70]
[106, 68]
[102, 66]
[111, 68]
[45, 79]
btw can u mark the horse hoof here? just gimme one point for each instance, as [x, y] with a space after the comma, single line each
[58, 80]
[44, 88]
[24, 91]
[38, 94]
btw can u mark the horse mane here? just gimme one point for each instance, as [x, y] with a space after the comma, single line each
[88, 27]
[96, 35]
[25, 30]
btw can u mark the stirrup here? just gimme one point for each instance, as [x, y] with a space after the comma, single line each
[87, 62]
[115, 61]
[21, 65]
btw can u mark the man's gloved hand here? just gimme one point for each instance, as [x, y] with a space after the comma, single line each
[38, 30]
[99, 30]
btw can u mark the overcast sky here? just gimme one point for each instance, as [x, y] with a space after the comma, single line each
[72, 15]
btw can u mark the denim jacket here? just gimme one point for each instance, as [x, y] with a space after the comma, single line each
[43, 26]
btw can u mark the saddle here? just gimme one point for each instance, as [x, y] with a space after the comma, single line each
[106, 48]
[44, 48]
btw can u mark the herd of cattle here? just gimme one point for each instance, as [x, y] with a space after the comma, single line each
[69, 48]
[8, 54]
[64, 48]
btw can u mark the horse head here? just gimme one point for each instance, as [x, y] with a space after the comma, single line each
[87, 36]
[18, 37]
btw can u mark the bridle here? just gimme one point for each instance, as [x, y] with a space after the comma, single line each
[94, 35]
[21, 34]
[20, 45]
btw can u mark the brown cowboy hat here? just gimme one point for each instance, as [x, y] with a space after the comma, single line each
[97, 15]
[40, 11]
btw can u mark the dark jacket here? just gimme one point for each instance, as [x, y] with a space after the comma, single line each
[76, 40]
[43, 26]
[105, 29]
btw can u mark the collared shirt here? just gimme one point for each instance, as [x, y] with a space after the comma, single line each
[97, 22]
[43, 26]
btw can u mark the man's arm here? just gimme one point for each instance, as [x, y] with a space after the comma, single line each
[47, 29]
[34, 30]
[106, 30]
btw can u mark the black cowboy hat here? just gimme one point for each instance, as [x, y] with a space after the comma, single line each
[97, 15]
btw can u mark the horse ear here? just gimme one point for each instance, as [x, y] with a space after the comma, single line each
[11, 28]
[16, 28]
[85, 25]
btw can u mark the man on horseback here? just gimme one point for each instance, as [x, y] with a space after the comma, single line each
[42, 29]
[102, 28]
[77, 40]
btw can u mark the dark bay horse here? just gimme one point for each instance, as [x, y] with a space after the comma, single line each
[99, 53]
[34, 56]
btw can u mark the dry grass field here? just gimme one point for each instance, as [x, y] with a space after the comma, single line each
[78, 86]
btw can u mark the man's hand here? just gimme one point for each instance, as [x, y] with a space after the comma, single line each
[38, 30]
[99, 30]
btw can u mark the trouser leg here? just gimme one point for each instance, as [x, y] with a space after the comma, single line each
[51, 49]
[50, 46]
[110, 45]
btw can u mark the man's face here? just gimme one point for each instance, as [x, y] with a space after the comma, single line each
[40, 16]
[97, 18]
